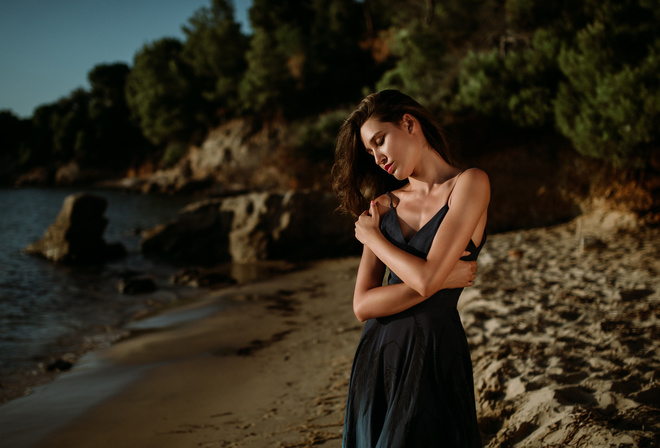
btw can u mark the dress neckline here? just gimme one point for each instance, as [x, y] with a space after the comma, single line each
[408, 241]
[398, 222]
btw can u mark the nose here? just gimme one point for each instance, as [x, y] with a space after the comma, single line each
[380, 158]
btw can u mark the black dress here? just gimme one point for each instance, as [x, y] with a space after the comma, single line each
[411, 383]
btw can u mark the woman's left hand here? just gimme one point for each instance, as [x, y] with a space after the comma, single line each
[368, 224]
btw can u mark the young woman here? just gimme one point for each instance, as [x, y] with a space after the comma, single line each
[411, 382]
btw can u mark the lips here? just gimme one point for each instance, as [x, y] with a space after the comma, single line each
[388, 167]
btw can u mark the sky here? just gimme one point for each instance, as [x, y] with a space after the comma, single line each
[47, 47]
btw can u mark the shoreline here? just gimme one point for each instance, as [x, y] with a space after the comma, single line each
[208, 338]
[562, 325]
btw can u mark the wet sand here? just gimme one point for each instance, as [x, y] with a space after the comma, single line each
[562, 323]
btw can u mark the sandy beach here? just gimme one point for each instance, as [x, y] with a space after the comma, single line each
[562, 324]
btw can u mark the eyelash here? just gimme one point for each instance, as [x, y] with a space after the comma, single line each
[378, 143]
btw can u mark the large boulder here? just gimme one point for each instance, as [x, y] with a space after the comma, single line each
[76, 236]
[200, 235]
[255, 226]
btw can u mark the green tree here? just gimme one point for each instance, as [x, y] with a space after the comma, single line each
[428, 40]
[69, 122]
[516, 87]
[14, 137]
[111, 139]
[335, 67]
[268, 83]
[275, 58]
[161, 93]
[587, 67]
[55, 130]
[215, 49]
[609, 103]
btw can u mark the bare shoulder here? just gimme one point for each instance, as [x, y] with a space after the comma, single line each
[474, 175]
[472, 184]
[473, 180]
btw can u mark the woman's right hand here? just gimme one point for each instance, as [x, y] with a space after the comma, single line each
[462, 275]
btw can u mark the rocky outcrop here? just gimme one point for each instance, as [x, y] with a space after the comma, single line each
[76, 236]
[255, 226]
[37, 176]
[240, 155]
[200, 235]
[73, 174]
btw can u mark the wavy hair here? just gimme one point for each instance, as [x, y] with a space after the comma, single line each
[356, 179]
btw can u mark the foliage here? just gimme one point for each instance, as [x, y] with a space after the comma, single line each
[111, 139]
[161, 93]
[421, 66]
[591, 71]
[316, 137]
[215, 49]
[587, 68]
[609, 104]
[173, 153]
[268, 83]
[90, 127]
[14, 134]
[335, 67]
[517, 87]
[274, 56]
[305, 56]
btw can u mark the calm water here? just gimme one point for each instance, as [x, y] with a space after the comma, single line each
[50, 309]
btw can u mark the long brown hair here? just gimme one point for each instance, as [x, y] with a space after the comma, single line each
[356, 179]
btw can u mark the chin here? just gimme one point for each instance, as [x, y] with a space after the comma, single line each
[398, 176]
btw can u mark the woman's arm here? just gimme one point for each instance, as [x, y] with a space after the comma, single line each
[470, 199]
[371, 299]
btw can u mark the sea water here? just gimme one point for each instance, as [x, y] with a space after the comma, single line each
[46, 308]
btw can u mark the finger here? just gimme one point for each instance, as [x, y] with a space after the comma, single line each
[465, 253]
[373, 209]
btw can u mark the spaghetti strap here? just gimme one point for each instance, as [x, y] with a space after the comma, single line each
[388, 195]
[454, 186]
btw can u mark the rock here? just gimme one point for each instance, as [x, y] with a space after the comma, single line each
[67, 174]
[239, 155]
[136, 285]
[293, 225]
[255, 226]
[59, 365]
[199, 235]
[73, 174]
[76, 236]
[39, 176]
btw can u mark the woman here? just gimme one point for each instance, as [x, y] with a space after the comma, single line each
[411, 382]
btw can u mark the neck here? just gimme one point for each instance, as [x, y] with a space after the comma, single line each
[431, 171]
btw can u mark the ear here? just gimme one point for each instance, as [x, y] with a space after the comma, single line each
[408, 122]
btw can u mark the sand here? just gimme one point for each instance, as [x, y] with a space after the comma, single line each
[562, 323]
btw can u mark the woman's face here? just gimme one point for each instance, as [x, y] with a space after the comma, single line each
[391, 145]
